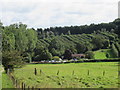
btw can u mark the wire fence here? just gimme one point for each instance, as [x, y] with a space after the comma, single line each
[19, 84]
[22, 85]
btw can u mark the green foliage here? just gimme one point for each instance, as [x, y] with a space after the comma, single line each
[27, 57]
[68, 54]
[118, 48]
[98, 42]
[81, 48]
[78, 39]
[8, 41]
[42, 54]
[89, 55]
[56, 58]
[18, 37]
[103, 54]
[11, 59]
[115, 51]
[32, 39]
[117, 22]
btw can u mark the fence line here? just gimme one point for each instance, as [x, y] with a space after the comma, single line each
[23, 86]
[17, 83]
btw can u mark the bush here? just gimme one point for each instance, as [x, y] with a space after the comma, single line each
[89, 55]
[56, 58]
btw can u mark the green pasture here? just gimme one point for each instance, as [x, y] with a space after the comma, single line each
[101, 54]
[5, 81]
[73, 75]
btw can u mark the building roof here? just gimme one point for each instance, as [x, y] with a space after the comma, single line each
[78, 55]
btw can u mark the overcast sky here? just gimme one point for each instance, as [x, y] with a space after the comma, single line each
[50, 13]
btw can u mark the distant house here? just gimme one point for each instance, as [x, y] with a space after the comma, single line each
[78, 55]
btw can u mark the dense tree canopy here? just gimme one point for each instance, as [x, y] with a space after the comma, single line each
[12, 59]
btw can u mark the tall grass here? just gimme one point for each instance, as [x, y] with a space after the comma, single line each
[6, 82]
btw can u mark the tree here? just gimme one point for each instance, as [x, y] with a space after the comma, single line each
[54, 52]
[73, 49]
[69, 33]
[118, 47]
[8, 41]
[32, 39]
[89, 55]
[42, 53]
[81, 48]
[27, 57]
[11, 59]
[98, 42]
[1, 24]
[117, 22]
[115, 51]
[45, 55]
[68, 54]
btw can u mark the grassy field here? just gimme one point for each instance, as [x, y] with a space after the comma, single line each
[6, 82]
[101, 54]
[73, 75]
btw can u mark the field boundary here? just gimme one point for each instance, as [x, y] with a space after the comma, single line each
[19, 84]
[79, 61]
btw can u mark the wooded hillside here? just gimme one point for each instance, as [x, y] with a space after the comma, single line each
[42, 44]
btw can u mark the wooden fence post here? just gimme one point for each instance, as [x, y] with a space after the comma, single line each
[35, 72]
[13, 80]
[28, 87]
[103, 73]
[40, 71]
[58, 72]
[16, 83]
[8, 71]
[19, 85]
[22, 86]
[32, 88]
[73, 72]
[88, 72]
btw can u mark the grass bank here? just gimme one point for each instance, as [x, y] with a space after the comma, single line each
[102, 54]
[6, 82]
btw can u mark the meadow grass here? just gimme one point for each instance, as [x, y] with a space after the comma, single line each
[6, 82]
[73, 75]
[101, 54]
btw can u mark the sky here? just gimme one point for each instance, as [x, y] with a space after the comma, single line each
[51, 13]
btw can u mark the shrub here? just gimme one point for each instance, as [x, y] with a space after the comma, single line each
[89, 55]
[56, 58]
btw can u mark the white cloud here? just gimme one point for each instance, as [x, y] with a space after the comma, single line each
[46, 13]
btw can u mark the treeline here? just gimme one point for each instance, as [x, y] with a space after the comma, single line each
[87, 29]
[81, 43]
[43, 44]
